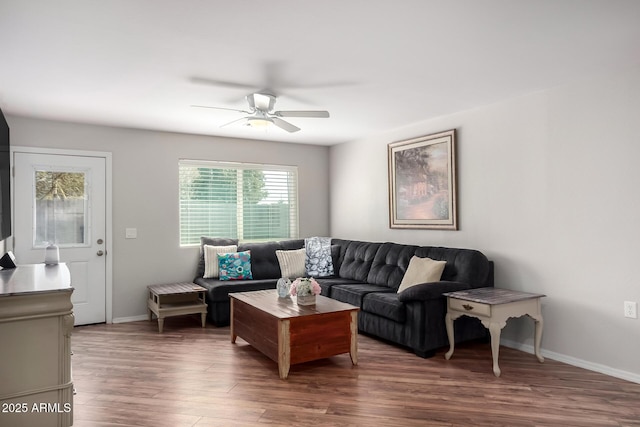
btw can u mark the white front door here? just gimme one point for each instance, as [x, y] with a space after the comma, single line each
[61, 199]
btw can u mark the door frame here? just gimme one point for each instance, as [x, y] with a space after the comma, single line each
[108, 210]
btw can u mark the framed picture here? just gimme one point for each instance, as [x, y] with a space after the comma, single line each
[422, 182]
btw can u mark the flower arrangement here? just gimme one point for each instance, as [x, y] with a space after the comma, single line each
[305, 286]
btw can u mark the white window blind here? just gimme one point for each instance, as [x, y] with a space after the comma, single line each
[239, 200]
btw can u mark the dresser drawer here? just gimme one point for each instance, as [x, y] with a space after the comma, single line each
[470, 307]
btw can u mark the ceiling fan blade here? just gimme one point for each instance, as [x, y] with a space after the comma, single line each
[224, 83]
[221, 108]
[319, 114]
[285, 125]
[233, 121]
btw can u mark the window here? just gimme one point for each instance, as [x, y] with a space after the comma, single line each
[60, 208]
[239, 200]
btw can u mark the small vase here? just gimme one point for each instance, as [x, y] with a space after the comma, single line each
[283, 287]
[306, 299]
[52, 254]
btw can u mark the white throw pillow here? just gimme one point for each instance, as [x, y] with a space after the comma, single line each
[421, 270]
[211, 270]
[292, 263]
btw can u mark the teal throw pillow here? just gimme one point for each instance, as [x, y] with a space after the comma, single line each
[235, 266]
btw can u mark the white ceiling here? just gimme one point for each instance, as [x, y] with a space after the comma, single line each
[375, 65]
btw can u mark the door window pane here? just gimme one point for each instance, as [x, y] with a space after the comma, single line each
[60, 208]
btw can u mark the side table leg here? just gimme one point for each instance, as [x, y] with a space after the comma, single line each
[495, 329]
[204, 319]
[538, 338]
[160, 324]
[448, 321]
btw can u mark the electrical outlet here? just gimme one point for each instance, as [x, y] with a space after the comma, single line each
[631, 309]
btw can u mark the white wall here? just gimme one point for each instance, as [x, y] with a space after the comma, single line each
[145, 193]
[548, 188]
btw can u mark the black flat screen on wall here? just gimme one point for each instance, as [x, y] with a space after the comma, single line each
[5, 178]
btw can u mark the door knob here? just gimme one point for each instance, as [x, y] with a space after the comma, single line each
[100, 253]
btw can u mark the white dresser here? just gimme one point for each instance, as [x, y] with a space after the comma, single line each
[36, 321]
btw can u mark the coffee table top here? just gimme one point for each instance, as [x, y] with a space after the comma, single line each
[176, 288]
[285, 308]
[491, 296]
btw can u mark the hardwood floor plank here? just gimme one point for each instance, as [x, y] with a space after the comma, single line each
[130, 375]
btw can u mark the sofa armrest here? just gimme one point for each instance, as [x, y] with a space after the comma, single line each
[432, 290]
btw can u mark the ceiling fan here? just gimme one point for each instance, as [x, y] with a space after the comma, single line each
[261, 113]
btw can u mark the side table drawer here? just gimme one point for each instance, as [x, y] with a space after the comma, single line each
[470, 307]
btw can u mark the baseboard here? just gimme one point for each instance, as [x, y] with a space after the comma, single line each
[607, 370]
[130, 319]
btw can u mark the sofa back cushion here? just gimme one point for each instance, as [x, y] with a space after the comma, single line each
[356, 259]
[264, 262]
[463, 265]
[390, 264]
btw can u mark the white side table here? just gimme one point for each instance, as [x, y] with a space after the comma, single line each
[493, 307]
[176, 299]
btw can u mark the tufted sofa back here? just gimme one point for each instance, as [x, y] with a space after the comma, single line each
[264, 263]
[382, 264]
[463, 265]
[355, 258]
[385, 264]
[389, 264]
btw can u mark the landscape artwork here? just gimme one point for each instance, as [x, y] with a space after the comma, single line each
[422, 186]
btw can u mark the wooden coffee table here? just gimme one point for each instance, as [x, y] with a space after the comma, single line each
[288, 333]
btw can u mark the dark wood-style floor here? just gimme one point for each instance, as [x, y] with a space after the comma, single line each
[129, 375]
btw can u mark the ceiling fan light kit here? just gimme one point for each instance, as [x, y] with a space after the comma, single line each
[259, 122]
[261, 114]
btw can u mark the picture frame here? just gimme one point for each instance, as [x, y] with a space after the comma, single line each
[422, 182]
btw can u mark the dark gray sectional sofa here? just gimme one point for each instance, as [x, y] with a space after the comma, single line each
[367, 275]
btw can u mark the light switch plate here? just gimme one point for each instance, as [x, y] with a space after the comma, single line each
[131, 233]
[631, 309]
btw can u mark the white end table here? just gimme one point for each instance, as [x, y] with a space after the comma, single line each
[493, 306]
[176, 299]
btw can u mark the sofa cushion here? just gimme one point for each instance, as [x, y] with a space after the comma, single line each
[211, 262]
[235, 266]
[390, 264]
[264, 263]
[292, 263]
[357, 260]
[354, 293]
[212, 241]
[385, 304]
[422, 270]
[219, 290]
[326, 283]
